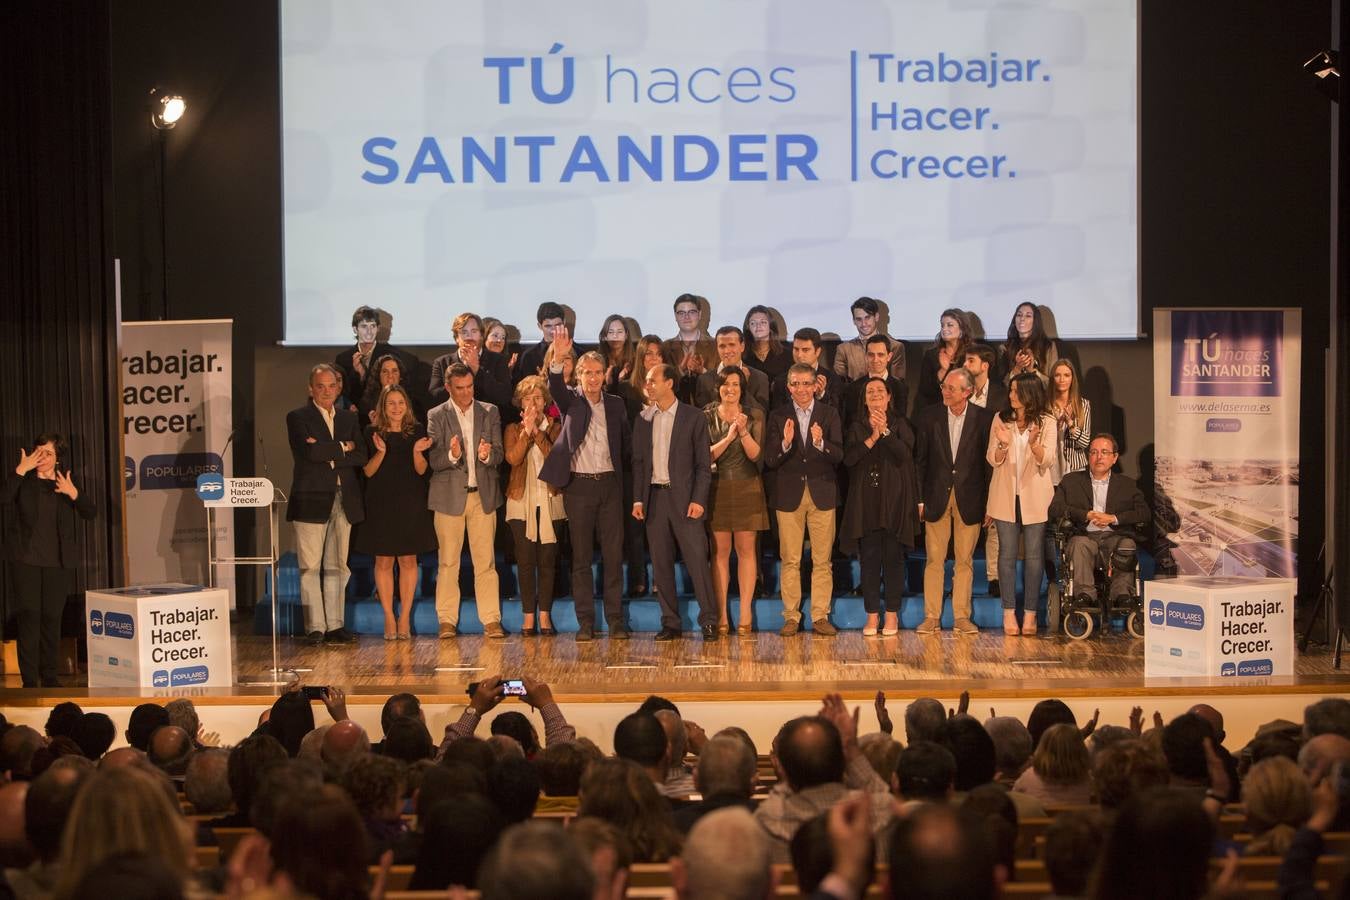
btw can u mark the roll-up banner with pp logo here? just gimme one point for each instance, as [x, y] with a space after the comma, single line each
[176, 421]
[1226, 407]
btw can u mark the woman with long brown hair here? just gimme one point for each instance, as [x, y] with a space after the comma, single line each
[1022, 452]
[1073, 418]
[1028, 349]
[764, 348]
[738, 512]
[398, 525]
[948, 352]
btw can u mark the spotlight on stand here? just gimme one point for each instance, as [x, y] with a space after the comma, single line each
[166, 108]
[1325, 67]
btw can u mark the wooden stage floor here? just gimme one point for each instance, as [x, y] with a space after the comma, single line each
[763, 665]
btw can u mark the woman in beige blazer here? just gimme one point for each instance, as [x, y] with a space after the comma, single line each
[1022, 453]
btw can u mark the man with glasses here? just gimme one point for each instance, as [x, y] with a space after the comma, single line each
[691, 348]
[953, 486]
[586, 463]
[803, 443]
[1108, 512]
[807, 347]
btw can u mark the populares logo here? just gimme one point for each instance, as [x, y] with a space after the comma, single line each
[95, 622]
[1186, 615]
[160, 678]
[119, 625]
[1249, 667]
[210, 486]
[1156, 614]
[1228, 670]
[189, 675]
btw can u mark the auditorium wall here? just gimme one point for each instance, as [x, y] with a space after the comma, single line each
[1234, 201]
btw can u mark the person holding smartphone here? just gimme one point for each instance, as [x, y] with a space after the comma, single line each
[41, 533]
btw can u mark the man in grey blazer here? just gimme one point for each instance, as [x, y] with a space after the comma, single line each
[672, 474]
[466, 449]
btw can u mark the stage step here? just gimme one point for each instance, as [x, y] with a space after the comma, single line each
[364, 615]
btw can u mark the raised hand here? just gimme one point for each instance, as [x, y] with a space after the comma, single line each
[1034, 432]
[378, 440]
[1025, 360]
[469, 355]
[821, 383]
[335, 699]
[1137, 720]
[29, 461]
[562, 343]
[1002, 431]
[877, 418]
[789, 429]
[456, 448]
[883, 717]
[359, 363]
[422, 444]
[817, 434]
[484, 449]
[65, 486]
[741, 423]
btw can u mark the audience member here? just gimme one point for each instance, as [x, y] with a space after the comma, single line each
[63, 718]
[319, 844]
[145, 719]
[46, 811]
[973, 750]
[95, 733]
[513, 785]
[725, 856]
[183, 714]
[924, 719]
[724, 776]
[560, 769]
[1158, 846]
[624, 794]
[1060, 772]
[407, 740]
[248, 762]
[1330, 715]
[1072, 844]
[1125, 769]
[936, 854]
[607, 851]
[1012, 748]
[925, 773]
[514, 724]
[882, 752]
[1278, 800]
[1046, 713]
[15, 851]
[533, 860]
[679, 780]
[206, 781]
[17, 747]
[170, 750]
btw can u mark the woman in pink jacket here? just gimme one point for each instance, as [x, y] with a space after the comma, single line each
[1022, 452]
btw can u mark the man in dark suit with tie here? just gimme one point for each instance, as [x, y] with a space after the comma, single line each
[953, 488]
[586, 464]
[325, 503]
[730, 352]
[672, 473]
[803, 443]
[1109, 513]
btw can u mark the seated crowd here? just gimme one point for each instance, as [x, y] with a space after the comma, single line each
[951, 808]
[698, 445]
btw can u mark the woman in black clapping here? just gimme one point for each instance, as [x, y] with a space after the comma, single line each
[40, 536]
[881, 514]
[948, 352]
[398, 525]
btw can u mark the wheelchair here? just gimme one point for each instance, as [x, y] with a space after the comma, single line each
[1078, 617]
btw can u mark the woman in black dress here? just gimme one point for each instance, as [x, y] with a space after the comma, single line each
[398, 525]
[948, 352]
[764, 348]
[881, 514]
[40, 538]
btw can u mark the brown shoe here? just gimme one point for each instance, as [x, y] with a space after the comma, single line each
[927, 626]
[790, 628]
[823, 627]
[965, 626]
[494, 630]
[447, 631]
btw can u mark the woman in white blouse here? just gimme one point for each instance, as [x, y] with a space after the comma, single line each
[1022, 453]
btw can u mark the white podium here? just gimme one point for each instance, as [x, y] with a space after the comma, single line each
[159, 636]
[1227, 627]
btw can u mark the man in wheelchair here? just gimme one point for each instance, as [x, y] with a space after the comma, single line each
[1104, 514]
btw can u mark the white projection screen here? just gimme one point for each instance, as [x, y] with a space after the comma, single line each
[444, 156]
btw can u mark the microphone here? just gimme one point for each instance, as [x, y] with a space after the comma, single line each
[223, 450]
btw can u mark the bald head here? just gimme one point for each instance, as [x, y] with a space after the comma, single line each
[15, 850]
[1320, 753]
[170, 749]
[122, 756]
[344, 743]
[16, 751]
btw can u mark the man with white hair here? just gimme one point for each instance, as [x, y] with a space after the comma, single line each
[726, 857]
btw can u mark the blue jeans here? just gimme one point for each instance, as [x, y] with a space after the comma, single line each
[1033, 565]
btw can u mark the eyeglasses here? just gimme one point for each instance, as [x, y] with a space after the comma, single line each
[801, 384]
[685, 313]
[1101, 453]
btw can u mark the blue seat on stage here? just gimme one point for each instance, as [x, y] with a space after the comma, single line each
[364, 615]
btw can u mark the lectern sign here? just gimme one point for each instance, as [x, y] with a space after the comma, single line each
[216, 490]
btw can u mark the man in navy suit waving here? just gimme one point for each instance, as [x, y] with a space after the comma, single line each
[586, 464]
[672, 473]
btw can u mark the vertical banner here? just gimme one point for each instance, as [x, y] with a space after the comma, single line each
[1226, 407]
[177, 423]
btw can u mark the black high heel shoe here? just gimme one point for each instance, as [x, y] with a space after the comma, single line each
[547, 631]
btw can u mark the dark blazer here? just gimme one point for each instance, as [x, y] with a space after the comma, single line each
[938, 473]
[1124, 500]
[529, 361]
[834, 390]
[756, 389]
[23, 493]
[492, 384]
[314, 482]
[576, 418]
[883, 483]
[802, 466]
[690, 461]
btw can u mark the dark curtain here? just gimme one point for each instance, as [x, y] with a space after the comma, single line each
[59, 363]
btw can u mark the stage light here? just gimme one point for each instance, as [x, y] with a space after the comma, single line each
[1325, 67]
[166, 109]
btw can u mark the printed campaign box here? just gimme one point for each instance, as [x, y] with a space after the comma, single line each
[1226, 627]
[159, 636]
